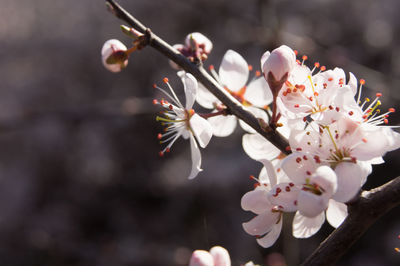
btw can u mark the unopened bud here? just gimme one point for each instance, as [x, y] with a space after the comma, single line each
[201, 258]
[114, 55]
[281, 61]
[131, 32]
[196, 40]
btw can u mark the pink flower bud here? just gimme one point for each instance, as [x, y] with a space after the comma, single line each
[114, 55]
[201, 258]
[199, 41]
[281, 61]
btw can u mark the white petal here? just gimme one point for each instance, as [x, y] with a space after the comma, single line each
[270, 238]
[264, 58]
[196, 158]
[256, 201]
[353, 83]
[221, 256]
[190, 88]
[258, 93]
[257, 147]
[286, 199]
[262, 223]
[223, 125]
[270, 170]
[304, 227]
[201, 129]
[350, 177]
[336, 213]
[310, 204]
[234, 71]
[201, 258]
[258, 113]
[326, 178]
[297, 168]
[205, 98]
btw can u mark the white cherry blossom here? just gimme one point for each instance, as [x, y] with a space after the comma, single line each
[183, 121]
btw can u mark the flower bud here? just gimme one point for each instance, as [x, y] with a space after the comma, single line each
[114, 55]
[281, 61]
[201, 258]
[196, 40]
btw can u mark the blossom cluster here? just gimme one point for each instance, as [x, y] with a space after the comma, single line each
[334, 135]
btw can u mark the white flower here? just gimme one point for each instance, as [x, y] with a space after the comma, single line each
[218, 256]
[268, 200]
[183, 121]
[114, 55]
[233, 74]
[279, 62]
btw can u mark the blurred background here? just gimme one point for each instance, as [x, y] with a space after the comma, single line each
[81, 182]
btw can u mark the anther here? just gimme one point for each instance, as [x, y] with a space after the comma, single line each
[155, 101]
[258, 73]
[351, 113]
[287, 188]
[165, 80]
[211, 67]
[161, 154]
[385, 121]
[304, 57]
[298, 149]
[296, 52]
[362, 81]
[392, 110]
[323, 68]
[287, 148]
[298, 159]
[364, 140]
[330, 79]
[379, 94]
[250, 67]
[154, 86]
[296, 105]
[291, 184]
[316, 64]
[305, 158]
[167, 150]
[159, 136]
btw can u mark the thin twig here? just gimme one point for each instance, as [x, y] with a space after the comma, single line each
[201, 75]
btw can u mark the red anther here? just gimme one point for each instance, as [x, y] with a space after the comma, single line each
[295, 90]
[304, 57]
[340, 81]
[278, 170]
[298, 159]
[298, 61]
[165, 80]
[154, 86]
[364, 116]
[162, 102]
[386, 116]
[161, 154]
[155, 101]
[392, 110]
[167, 149]
[323, 68]
[330, 107]
[316, 64]
[296, 105]
[291, 184]
[280, 207]
[211, 67]
[256, 185]
[284, 93]
[354, 159]
[316, 94]
[364, 140]
[330, 79]
[398, 236]
[278, 190]
[325, 85]
[300, 87]
[295, 202]
[362, 81]
[288, 148]
[310, 98]
[351, 113]
[296, 52]
[308, 173]
[317, 159]
[258, 73]
[250, 67]
[170, 107]
[159, 136]
[337, 109]
[304, 119]
[305, 158]
[336, 136]
[191, 112]
[288, 90]
[252, 177]
[378, 94]
[298, 149]
[385, 121]
[287, 188]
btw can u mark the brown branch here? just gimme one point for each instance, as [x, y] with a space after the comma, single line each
[363, 212]
[201, 75]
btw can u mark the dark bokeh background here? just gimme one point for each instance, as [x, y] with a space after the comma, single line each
[81, 182]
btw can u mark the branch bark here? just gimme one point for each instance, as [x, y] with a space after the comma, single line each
[363, 212]
[201, 75]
